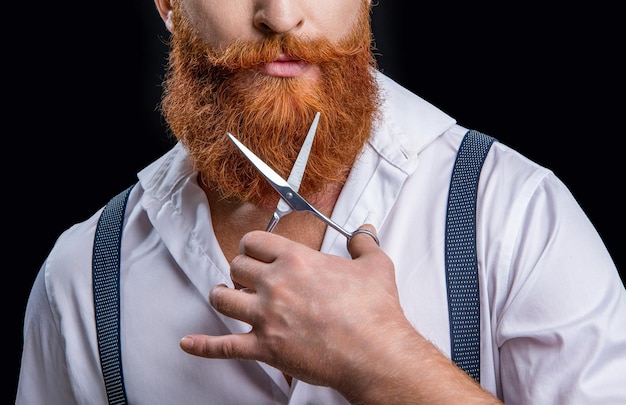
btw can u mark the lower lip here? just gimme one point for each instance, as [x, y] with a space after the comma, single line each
[284, 68]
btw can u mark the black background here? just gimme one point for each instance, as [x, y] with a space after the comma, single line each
[82, 85]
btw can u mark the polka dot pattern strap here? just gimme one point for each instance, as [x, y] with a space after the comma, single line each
[106, 292]
[460, 253]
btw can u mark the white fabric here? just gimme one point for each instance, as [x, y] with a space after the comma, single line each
[553, 309]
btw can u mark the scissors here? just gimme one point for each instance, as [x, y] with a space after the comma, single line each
[295, 177]
[291, 196]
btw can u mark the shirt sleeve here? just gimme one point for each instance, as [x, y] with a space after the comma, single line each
[43, 375]
[561, 332]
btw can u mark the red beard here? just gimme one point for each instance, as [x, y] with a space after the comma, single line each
[209, 92]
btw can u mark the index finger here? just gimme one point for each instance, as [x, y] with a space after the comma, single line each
[236, 346]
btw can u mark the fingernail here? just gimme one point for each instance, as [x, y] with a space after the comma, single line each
[186, 343]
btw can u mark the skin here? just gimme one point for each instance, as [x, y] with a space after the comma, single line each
[322, 319]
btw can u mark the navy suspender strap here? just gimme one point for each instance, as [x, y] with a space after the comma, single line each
[106, 293]
[460, 257]
[460, 253]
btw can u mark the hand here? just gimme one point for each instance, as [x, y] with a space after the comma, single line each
[305, 307]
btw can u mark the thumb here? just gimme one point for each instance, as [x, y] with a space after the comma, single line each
[363, 240]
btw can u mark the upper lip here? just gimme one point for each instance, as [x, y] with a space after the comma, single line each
[284, 58]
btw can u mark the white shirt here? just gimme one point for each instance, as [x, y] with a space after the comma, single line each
[553, 308]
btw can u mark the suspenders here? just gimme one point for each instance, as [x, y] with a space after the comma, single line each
[460, 260]
[460, 253]
[106, 294]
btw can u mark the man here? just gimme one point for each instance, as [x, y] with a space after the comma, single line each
[299, 315]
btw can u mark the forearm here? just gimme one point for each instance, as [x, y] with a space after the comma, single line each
[408, 369]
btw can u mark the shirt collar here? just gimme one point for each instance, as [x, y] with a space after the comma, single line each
[408, 124]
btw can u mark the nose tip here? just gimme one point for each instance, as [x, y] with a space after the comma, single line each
[278, 16]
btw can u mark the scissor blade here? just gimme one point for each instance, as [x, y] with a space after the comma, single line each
[272, 177]
[297, 171]
[291, 196]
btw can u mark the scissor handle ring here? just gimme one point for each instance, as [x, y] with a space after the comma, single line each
[365, 231]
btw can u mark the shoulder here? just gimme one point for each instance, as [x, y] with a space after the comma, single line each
[68, 264]
[67, 269]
